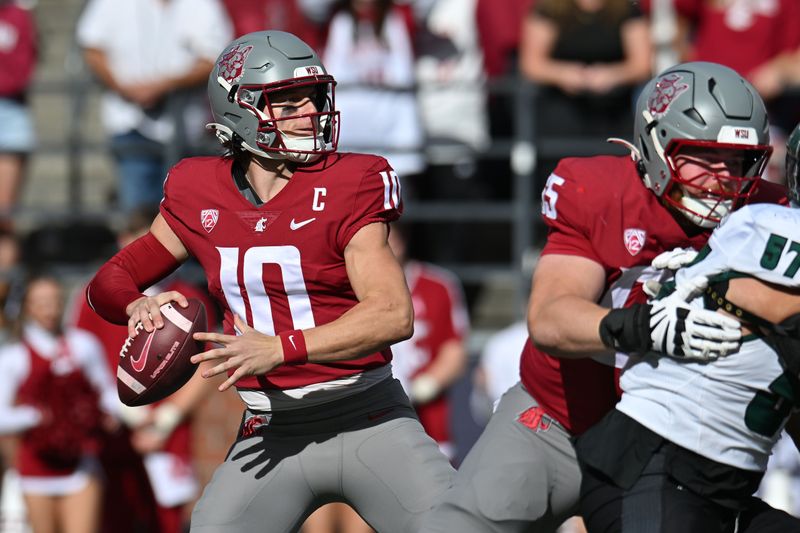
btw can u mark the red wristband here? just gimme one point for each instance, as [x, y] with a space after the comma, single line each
[294, 347]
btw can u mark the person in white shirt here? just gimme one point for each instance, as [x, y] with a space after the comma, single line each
[153, 57]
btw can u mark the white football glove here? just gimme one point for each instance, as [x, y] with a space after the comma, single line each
[671, 327]
[674, 259]
[698, 334]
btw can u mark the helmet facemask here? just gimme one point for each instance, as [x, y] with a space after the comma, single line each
[275, 142]
[712, 178]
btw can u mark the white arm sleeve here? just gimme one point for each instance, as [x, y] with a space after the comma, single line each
[92, 359]
[14, 368]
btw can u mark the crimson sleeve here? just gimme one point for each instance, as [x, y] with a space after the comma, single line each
[122, 278]
[378, 198]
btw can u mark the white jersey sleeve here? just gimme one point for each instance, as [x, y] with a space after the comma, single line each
[761, 240]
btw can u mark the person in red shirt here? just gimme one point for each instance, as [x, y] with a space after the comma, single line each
[18, 55]
[753, 38]
[432, 360]
[292, 237]
[701, 142]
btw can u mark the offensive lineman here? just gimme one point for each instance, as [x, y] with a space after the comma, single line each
[688, 443]
[293, 240]
[700, 145]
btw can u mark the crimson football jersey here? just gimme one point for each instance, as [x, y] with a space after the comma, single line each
[439, 316]
[281, 266]
[598, 208]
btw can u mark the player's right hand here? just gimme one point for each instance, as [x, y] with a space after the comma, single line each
[147, 311]
[671, 327]
[689, 333]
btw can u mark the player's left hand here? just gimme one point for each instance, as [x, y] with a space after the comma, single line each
[249, 354]
[674, 259]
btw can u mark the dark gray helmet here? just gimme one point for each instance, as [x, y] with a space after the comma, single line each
[243, 83]
[706, 112]
[793, 166]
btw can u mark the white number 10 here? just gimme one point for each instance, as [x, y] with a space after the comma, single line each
[254, 259]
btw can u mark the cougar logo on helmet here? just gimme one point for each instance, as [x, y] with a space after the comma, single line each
[231, 64]
[666, 90]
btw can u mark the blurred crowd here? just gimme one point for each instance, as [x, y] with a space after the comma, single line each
[429, 84]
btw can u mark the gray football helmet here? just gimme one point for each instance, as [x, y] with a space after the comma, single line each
[793, 166]
[242, 86]
[703, 112]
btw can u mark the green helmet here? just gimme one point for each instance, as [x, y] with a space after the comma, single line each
[792, 167]
[245, 77]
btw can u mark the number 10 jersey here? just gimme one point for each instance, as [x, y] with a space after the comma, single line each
[280, 266]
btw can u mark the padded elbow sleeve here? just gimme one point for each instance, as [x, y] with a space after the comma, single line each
[122, 278]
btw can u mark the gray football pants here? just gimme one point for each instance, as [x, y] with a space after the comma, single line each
[519, 477]
[368, 450]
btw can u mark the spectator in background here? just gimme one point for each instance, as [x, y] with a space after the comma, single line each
[750, 37]
[291, 16]
[435, 357]
[18, 53]
[588, 56]
[154, 58]
[499, 34]
[450, 75]
[452, 99]
[369, 53]
[55, 393]
[755, 38]
[158, 437]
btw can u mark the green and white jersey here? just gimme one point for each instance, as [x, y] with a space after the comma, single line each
[731, 410]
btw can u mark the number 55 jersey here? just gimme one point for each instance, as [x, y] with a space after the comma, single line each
[280, 266]
[731, 410]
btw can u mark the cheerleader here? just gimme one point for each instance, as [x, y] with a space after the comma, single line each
[56, 395]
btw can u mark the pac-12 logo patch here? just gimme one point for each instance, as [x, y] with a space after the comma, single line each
[208, 218]
[634, 240]
[667, 89]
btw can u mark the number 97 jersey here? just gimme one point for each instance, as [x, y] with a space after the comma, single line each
[280, 266]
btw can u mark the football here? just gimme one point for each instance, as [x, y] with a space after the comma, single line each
[154, 365]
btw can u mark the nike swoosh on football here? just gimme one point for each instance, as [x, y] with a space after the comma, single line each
[138, 364]
[297, 225]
